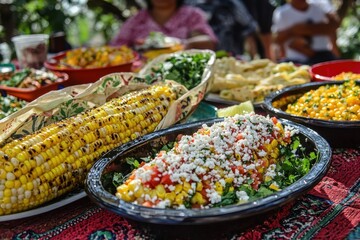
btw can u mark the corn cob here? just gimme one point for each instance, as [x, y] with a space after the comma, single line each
[214, 161]
[53, 161]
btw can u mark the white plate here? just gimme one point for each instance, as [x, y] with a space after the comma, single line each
[71, 197]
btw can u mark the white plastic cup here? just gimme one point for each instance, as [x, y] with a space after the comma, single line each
[31, 50]
[5, 52]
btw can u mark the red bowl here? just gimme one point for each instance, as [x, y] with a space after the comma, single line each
[325, 71]
[30, 94]
[86, 75]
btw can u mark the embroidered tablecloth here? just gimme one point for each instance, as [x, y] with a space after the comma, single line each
[331, 210]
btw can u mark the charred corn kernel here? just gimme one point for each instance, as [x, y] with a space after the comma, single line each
[160, 191]
[329, 102]
[153, 193]
[178, 188]
[2, 174]
[274, 143]
[7, 193]
[8, 167]
[179, 199]
[267, 178]
[186, 186]
[197, 199]
[9, 184]
[218, 187]
[139, 191]
[55, 159]
[134, 184]
[274, 186]
[199, 186]
[229, 180]
[123, 189]
[17, 184]
[170, 196]
[275, 153]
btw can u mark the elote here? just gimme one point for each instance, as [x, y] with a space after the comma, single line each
[54, 160]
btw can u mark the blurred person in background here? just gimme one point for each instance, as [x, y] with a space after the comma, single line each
[262, 12]
[304, 32]
[231, 22]
[173, 19]
[331, 13]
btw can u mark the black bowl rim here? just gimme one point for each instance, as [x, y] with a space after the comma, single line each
[313, 121]
[100, 196]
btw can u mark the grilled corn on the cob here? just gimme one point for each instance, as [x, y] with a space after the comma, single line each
[54, 160]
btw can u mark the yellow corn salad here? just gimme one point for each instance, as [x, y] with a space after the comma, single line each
[215, 160]
[97, 57]
[347, 76]
[329, 102]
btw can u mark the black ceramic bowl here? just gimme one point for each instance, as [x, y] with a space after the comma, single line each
[337, 133]
[187, 221]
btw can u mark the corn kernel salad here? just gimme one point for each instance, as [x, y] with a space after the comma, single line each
[94, 57]
[234, 161]
[347, 76]
[329, 102]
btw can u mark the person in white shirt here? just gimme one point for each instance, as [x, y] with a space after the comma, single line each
[331, 13]
[304, 31]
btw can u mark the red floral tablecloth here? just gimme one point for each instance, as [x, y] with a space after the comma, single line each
[331, 210]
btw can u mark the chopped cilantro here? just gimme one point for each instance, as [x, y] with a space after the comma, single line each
[133, 162]
[186, 69]
[112, 180]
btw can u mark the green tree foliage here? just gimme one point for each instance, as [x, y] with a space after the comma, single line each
[86, 20]
[81, 20]
[349, 34]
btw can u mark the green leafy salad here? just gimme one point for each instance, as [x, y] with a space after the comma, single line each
[9, 105]
[186, 69]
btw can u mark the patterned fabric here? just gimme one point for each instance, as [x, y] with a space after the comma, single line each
[186, 21]
[331, 210]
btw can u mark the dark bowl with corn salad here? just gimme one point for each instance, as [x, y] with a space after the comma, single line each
[207, 222]
[331, 108]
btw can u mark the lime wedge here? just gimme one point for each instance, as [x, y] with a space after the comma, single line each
[242, 108]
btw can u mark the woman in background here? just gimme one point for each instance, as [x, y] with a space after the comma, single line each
[173, 19]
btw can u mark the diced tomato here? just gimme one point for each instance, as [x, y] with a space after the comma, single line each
[154, 178]
[203, 191]
[160, 153]
[241, 169]
[274, 120]
[239, 137]
[265, 163]
[166, 179]
[147, 204]
[196, 205]
[256, 183]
